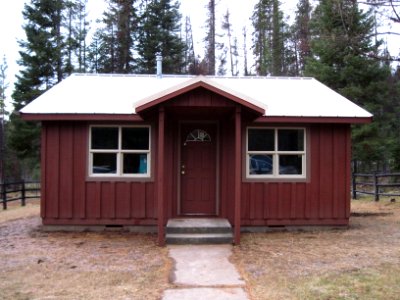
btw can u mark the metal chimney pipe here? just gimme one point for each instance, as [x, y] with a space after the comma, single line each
[159, 65]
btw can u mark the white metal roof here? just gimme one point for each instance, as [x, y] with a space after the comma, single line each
[120, 94]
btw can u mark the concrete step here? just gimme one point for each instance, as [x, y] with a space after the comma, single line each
[198, 238]
[198, 225]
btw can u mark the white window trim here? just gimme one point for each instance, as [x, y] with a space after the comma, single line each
[275, 156]
[119, 153]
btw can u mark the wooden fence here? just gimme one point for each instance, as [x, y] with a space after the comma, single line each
[19, 191]
[376, 184]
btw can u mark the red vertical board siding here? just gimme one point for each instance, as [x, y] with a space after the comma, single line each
[321, 197]
[43, 158]
[301, 198]
[315, 156]
[90, 202]
[347, 172]
[338, 178]
[52, 172]
[326, 165]
[122, 200]
[258, 201]
[79, 170]
[66, 171]
[273, 200]
[284, 200]
[138, 199]
[68, 195]
[246, 198]
[151, 205]
[293, 201]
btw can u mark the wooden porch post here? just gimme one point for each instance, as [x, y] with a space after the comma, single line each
[238, 172]
[160, 177]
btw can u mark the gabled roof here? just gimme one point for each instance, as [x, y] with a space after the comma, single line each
[196, 82]
[130, 94]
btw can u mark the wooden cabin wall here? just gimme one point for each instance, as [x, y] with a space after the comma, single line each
[324, 199]
[68, 197]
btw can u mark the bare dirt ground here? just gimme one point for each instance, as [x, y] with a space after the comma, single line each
[108, 265]
[362, 262]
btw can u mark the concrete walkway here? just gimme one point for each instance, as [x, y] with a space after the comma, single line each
[204, 272]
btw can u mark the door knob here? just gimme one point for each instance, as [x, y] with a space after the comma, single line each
[183, 172]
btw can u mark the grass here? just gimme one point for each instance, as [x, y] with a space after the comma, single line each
[380, 282]
[77, 265]
[362, 262]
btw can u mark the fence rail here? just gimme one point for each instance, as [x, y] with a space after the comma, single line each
[376, 184]
[19, 191]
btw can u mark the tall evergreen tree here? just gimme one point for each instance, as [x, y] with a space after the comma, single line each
[245, 59]
[341, 43]
[158, 32]
[210, 38]
[232, 46]
[269, 38]
[42, 66]
[112, 45]
[190, 57]
[3, 87]
[301, 32]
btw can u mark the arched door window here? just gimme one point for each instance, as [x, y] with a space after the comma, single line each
[198, 135]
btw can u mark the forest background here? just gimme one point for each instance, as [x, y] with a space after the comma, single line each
[342, 43]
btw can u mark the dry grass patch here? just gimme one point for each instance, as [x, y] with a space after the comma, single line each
[108, 265]
[15, 211]
[320, 264]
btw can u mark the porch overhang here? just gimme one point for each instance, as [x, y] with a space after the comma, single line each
[199, 82]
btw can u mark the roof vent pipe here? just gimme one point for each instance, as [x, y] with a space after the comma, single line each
[159, 65]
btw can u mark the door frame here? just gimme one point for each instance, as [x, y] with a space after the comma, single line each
[178, 166]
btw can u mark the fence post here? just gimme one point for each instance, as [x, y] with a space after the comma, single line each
[23, 193]
[354, 184]
[376, 191]
[4, 195]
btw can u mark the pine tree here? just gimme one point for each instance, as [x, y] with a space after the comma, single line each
[269, 38]
[210, 38]
[158, 32]
[82, 28]
[111, 48]
[262, 42]
[190, 57]
[301, 32]
[42, 67]
[340, 46]
[246, 70]
[3, 87]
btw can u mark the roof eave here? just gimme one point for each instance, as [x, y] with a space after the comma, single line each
[314, 119]
[79, 117]
[190, 85]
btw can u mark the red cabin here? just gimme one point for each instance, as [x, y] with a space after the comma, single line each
[140, 150]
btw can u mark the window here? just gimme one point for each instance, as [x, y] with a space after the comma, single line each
[276, 153]
[198, 135]
[119, 151]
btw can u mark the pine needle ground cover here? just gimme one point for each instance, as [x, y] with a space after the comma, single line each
[87, 265]
[362, 262]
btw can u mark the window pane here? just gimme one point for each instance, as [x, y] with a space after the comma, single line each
[135, 138]
[260, 164]
[104, 138]
[290, 164]
[261, 140]
[104, 163]
[135, 163]
[290, 140]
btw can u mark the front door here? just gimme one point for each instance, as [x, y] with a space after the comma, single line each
[198, 168]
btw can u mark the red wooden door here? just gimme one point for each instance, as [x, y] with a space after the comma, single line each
[198, 168]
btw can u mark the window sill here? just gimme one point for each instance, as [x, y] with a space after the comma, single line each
[119, 178]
